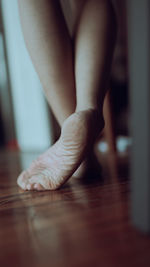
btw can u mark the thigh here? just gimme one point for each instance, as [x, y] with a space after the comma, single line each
[72, 10]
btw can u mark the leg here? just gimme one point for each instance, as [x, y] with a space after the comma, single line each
[57, 164]
[95, 39]
[50, 47]
[94, 44]
[49, 32]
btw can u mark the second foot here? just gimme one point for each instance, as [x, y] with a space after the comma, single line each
[90, 167]
[54, 167]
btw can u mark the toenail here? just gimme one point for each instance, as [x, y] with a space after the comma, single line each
[23, 185]
[28, 186]
[35, 186]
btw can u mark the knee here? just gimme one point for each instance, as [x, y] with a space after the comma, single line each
[108, 8]
[77, 4]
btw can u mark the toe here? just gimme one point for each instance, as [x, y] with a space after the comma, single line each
[37, 182]
[22, 180]
[38, 187]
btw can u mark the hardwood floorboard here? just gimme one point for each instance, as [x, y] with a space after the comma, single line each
[84, 224]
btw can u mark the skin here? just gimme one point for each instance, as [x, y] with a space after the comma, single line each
[72, 56]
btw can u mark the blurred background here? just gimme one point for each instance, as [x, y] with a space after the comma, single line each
[26, 122]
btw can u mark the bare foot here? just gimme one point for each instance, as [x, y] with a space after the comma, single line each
[54, 167]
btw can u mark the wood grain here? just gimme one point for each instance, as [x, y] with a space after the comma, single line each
[84, 224]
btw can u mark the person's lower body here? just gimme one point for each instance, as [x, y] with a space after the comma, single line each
[74, 68]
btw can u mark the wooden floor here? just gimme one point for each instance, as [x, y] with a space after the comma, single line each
[85, 224]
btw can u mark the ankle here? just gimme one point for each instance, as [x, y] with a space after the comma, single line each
[93, 109]
[85, 107]
[95, 120]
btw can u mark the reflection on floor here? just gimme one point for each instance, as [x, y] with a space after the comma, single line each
[84, 224]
